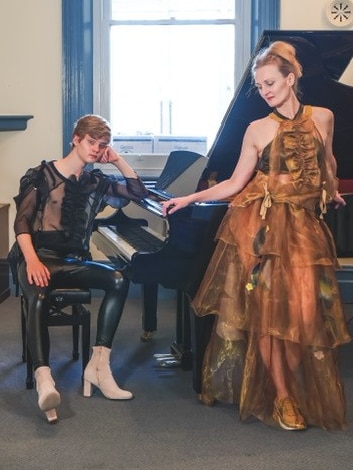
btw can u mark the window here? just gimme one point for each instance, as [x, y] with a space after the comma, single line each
[168, 67]
[86, 26]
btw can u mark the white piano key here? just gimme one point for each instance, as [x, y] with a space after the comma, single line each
[118, 242]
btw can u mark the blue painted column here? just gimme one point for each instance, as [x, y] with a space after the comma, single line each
[77, 69]
[265, 15]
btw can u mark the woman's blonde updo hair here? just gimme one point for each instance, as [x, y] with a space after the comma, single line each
[283, 55]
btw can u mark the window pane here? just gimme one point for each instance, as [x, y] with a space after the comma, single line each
[165, 79]
[167, 9]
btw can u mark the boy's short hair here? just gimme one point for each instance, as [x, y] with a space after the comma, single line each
[94, 125]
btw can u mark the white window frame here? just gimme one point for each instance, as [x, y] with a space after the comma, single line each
[101, 50]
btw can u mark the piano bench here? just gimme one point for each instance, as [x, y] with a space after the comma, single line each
[77, 316]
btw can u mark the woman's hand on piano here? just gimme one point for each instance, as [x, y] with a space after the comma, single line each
[174, 204]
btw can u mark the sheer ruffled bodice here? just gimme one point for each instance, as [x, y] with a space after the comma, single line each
[59, 212]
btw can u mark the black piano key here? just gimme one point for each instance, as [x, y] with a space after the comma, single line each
[139, 238]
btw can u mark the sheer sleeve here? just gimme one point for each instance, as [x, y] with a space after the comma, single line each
[121, 190]
[27, 201]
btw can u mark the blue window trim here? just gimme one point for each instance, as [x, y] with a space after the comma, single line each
[77, 70]
[265, 15]
[77, 45]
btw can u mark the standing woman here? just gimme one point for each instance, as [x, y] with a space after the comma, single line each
[271, 281]
[56, 207]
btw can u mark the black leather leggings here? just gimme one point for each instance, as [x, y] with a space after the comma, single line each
[72, 273]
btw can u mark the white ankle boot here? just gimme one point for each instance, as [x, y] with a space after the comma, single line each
[48, 396]
[98, 373]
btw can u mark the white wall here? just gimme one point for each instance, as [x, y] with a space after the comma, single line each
[30, 83]
[305, 14]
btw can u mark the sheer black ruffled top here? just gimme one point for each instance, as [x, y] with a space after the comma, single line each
[59, 212]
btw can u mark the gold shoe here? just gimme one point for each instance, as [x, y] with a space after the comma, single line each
[287, 413]
[205, 399]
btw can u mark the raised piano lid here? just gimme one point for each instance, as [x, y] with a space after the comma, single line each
[325, 57]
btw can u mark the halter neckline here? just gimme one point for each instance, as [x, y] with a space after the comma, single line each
[278, 114]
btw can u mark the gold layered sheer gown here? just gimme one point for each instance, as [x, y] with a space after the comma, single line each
[272, 275]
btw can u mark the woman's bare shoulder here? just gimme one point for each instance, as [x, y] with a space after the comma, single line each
[261, 131]
[263, 128]
[261, 125]
[260, 121]
[321, 113]
[324, 120]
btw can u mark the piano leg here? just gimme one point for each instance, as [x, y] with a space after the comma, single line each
[182, 345]
[201, 328]
[149, 310]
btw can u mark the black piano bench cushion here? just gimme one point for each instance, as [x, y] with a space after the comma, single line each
[64, 297]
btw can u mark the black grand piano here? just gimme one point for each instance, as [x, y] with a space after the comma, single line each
[182, 244]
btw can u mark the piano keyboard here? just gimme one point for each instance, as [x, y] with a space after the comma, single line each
[139, 237]
[129, 239]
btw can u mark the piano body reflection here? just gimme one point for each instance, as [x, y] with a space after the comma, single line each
[187, 241]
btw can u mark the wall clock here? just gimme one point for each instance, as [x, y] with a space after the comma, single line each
[340, 13]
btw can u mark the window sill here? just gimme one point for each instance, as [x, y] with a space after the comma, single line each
[14, 122]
